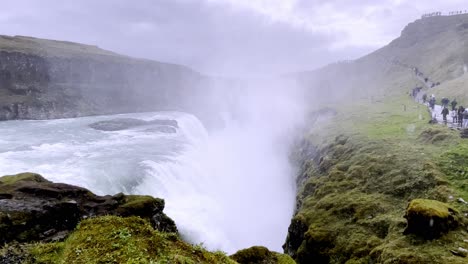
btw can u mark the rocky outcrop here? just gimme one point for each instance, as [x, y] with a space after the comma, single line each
[168, 126]
[35, 209]
[42, 79]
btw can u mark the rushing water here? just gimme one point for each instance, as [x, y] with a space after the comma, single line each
[228, 189]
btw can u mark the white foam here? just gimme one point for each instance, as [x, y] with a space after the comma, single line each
[228, 189]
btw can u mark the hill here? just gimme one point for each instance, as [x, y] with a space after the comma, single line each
[377, 161]
[42, 79]
[435, 46]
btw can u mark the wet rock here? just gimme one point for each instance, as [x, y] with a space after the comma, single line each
[167, 126]
[296, 232]
[430, 219]
[35, 209]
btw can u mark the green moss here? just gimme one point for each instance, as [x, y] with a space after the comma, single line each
[11, 179]
[354, 203]
[261, 255]
[430, 208]
[431, 219]
[47, 253]
[112, 239]
[137, 204]
[284, 259]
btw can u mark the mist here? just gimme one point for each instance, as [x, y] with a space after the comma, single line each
[237, 182]
[226, 174]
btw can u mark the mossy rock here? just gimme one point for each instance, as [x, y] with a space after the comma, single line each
[35, 209]
[113, 239]
[431, 219]
[261, 255]
[139, 205]
[27, 176]
[317, 245]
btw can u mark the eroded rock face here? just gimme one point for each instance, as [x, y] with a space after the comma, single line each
[35, 209]
[296, 233]
[43, 79]
[431, 219]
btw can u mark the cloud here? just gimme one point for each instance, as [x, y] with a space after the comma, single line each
[226, 37]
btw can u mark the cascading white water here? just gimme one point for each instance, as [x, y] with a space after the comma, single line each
[228, 189]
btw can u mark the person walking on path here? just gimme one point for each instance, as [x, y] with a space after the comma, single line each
[432, 103]
[445, 101]
[454, 104]
[465, 118]
[461, 109]
[454, 114]
[444, 113]
[424, 97]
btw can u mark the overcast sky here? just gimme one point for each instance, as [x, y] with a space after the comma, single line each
[223, 37]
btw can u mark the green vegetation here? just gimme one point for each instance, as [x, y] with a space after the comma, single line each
[373, 159]
[431, 219]
[430, 208]
[112, 239]
[456, 88]
[56, 48]
[454, 164]
[258, 254]
[32, 177]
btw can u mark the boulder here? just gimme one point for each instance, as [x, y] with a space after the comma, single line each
[430, 219]
[35, 209]
[126, 123]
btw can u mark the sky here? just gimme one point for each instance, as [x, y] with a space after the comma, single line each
[224, 37]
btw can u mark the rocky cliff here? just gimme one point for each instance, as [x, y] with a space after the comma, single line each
[41, 79]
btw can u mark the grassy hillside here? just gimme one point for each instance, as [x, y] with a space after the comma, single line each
[456, 88]
[379, 153]
[373, 159]
[436, 46]
[47, 47]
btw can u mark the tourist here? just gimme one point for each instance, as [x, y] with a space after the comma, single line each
[454, 104]
[432, 102]
[445, 101]
[465, 118]
[424, 97]
[454, 116]
[461, 109]
[444, 113]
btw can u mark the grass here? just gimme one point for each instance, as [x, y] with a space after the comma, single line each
[112, 239]
[372, 160]
[43, 46]
[456, 88]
